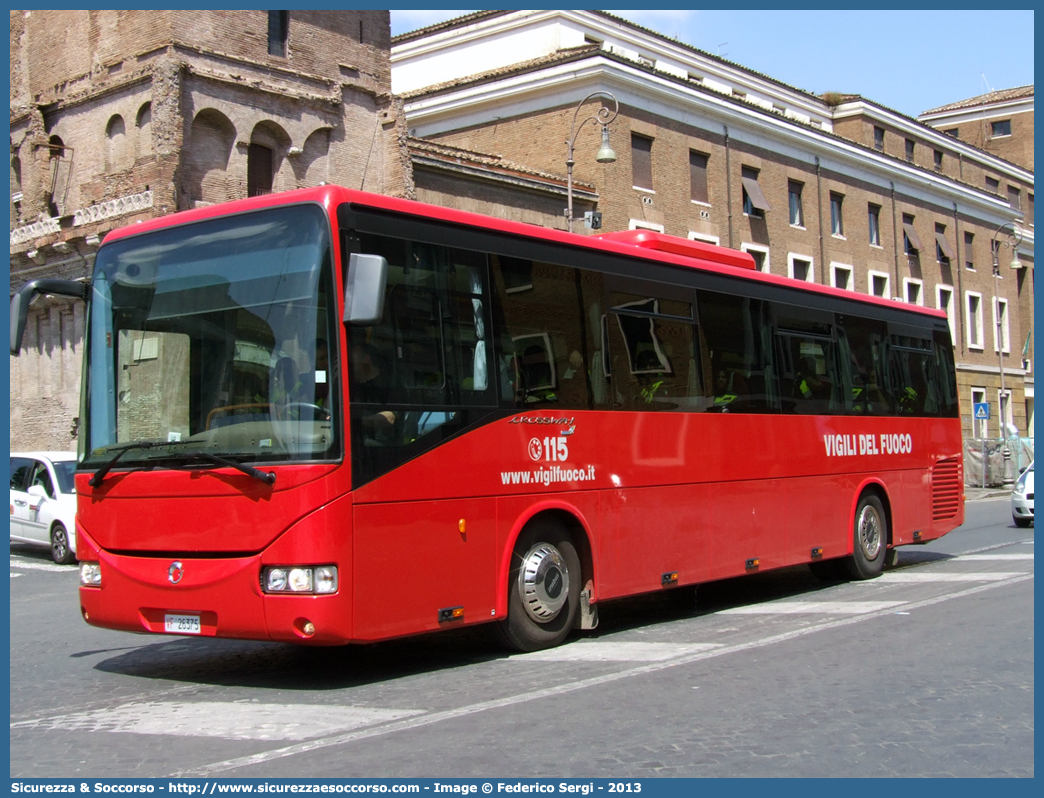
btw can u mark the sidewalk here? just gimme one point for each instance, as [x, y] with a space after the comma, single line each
[972, 494]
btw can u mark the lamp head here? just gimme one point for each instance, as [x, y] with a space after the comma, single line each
[606, 154]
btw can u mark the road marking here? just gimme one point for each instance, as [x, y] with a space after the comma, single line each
[965, 557]
[17, 562]
[13, 574]
[229, 720]
[407, 724]
[607, 651]
[907, 578]
[810, 607]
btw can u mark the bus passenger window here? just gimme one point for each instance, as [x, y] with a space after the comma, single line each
[651, 346]
[543, 345]
[736, 348]
[913, 377]
[863, 355]
[421, 373]
[809, 382]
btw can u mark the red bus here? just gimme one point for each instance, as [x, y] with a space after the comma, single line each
[330, 417]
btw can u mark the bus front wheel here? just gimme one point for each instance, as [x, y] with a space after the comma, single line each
[870, 543]
[543, 589]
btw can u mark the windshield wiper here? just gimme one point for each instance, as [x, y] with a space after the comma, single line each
[99, 475]
[268, 477]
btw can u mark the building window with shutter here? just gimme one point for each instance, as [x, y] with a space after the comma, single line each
[943, 251]
[879, 138]
[754, 202]
[910, 150]
[278, 32]
[641, 162]
[969, 257]
[911, 241]
[698, 177]
[1015, 198]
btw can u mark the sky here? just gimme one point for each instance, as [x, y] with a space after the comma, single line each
[909, 61]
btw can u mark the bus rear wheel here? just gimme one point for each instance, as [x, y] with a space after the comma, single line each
[870, 539]
[543, 589]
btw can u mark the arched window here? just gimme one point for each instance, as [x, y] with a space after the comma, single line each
[144, 125]
[211, 139]
[16, 190]
[116, 135]
[60, 167]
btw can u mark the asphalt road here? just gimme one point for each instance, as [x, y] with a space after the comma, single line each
[926, 671]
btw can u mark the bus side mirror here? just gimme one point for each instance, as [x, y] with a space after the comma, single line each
[364, 289]
[20, 302]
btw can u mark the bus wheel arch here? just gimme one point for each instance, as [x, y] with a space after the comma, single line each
[871, 533]
[550, 565]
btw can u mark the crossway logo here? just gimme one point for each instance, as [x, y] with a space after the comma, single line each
[175, 572]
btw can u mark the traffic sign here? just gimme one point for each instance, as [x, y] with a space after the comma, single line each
[982, 411]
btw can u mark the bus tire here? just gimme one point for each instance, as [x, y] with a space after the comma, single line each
[870, 539]
[543, 588]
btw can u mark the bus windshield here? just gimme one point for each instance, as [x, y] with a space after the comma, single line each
[214, 336]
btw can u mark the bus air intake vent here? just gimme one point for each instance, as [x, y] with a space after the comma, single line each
[946, 489]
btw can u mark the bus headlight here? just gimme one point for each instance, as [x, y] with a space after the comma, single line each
[326, 579]
[90, 574]
[299, 579]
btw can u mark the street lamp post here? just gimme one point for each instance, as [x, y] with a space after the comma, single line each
[1012, 238]
[604, 155]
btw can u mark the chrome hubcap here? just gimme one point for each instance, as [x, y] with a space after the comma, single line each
[543, 582]
[869, 532]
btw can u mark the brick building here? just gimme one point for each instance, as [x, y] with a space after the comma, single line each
[999, 122]
[119, 116]
[833, 189]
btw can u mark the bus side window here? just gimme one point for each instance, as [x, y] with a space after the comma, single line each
[947, 375]
[809, 382]
[862, 349]
[543, 349]
[737, 335]
[913, 377]
[651, 353]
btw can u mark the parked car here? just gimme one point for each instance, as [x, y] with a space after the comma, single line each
[1022, 498]
[43, 502]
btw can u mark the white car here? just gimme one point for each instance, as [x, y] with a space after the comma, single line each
[43, 502]
[1022, 498]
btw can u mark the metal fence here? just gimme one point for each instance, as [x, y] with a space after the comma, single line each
[995, 462]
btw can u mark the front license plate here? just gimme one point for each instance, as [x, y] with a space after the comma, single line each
[181, 624]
